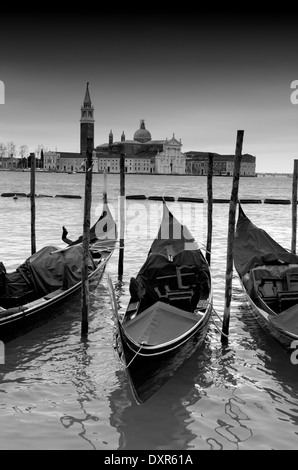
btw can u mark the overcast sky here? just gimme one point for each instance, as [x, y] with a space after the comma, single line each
[201, 76]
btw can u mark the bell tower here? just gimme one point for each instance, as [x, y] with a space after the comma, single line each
[87, 122]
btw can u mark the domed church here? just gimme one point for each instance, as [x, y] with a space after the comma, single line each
[142, 154]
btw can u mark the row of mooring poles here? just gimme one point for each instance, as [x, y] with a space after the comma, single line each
[231, 224]
[231, 227]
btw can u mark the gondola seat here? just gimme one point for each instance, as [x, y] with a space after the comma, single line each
[266, 285]
[180, 289]
[286, 299]
[269, 287]
[21, 298]
[292, 281]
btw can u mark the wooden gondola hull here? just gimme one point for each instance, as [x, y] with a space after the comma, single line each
[148, 372]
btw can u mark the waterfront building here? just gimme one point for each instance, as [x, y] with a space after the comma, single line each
[132, 163]
[223, 165]
[10, 163]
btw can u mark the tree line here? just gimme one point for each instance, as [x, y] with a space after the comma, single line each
[12, 156]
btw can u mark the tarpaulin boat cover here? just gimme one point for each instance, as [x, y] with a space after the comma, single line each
[173, 247]
[254, 247]
[159, 324]
[49, 269]
[287, 320]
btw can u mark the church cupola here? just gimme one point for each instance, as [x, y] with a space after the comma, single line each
[122, 137]
[142, 134]
[87, 121]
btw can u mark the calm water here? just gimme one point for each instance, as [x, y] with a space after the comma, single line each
[60, 392]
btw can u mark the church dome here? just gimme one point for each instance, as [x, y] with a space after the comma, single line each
[142, 135]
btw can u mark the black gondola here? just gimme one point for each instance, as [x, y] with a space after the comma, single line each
[269, 276]
[169, 311]
[50, 276]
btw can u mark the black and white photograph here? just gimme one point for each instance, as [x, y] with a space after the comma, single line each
[148, 230]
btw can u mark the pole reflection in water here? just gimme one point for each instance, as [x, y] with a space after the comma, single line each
[86, 389]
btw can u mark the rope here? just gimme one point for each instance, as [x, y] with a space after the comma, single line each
[135, 355]
[214, 311]
[221, 332]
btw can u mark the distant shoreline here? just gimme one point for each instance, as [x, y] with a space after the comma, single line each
[39, 170]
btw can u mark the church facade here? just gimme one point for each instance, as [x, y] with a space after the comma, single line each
[171, 160]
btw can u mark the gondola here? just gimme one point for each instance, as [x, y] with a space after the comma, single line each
[269, 276]
[169, 310]
[50, 276]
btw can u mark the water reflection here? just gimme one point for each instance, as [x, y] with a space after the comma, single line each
[176, 417]
[166, 420]
[162, 421]
[272, 357]
[238, 431]
[86, 389]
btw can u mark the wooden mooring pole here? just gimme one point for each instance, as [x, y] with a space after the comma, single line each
[105, 196]
[210, 208]
[294, 206]
[231, 233]
[122, 214]
[32, 201]
[86, 237]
